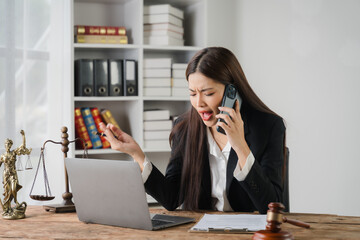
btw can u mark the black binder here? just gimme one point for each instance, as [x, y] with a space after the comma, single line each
[84, 77]
[101, 77]
[130, 78]
[115, 69]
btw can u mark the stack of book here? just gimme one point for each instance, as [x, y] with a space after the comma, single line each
[157, 77]
[100, 34]
[157, 128]
[163, 25]
[180, 86]
[87, 124]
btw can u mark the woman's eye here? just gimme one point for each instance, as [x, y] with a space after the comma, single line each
[209, 94]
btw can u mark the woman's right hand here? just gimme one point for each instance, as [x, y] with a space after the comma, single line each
[124, 142]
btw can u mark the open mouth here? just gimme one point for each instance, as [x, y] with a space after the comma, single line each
[206, 115]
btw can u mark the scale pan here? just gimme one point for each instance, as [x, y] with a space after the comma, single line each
[42, 197]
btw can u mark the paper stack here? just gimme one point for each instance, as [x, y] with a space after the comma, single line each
[157, 77]
[163, 25]
[179, 84]
[157, 128]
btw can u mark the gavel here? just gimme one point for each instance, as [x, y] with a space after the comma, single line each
[274, 219]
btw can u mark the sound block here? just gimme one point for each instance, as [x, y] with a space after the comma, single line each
[269, 235]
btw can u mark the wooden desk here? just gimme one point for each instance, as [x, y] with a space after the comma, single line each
[47, 225]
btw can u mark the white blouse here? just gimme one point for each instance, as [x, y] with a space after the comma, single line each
[218, 161]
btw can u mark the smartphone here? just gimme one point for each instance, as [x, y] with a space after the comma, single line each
[231, 94]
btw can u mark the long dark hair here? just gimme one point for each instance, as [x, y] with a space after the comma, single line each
[221, 65]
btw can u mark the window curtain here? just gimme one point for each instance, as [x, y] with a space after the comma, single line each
[32, 85]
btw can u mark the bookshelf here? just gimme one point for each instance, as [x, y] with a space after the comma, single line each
[128, 111]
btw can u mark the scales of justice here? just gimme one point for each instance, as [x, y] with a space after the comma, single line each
[11, 183]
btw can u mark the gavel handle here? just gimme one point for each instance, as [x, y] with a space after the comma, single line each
[296, 223]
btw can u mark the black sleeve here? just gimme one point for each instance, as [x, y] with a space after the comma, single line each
[166, 189]
[264, 181]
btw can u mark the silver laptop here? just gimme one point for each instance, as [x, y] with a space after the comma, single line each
[112, 192]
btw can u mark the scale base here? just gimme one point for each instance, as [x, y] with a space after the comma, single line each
[59, 208]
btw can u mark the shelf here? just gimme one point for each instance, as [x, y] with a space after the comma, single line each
[166, 98]
[111, 151]
[105, 99]
[97, 151]
[105, 1]
[128, 111]
[172, 48]
[157, 150]
[134, 46]
[102, 46]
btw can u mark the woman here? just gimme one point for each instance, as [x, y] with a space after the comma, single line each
[239, 171]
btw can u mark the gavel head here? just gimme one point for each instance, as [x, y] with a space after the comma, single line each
[274, 216]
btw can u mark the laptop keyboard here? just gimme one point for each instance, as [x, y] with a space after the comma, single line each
[157, 223]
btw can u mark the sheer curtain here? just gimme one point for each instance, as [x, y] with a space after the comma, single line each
[33, 48]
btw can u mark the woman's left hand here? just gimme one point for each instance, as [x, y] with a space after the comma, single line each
[234, 129]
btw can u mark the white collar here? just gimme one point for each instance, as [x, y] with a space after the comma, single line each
[214, 148]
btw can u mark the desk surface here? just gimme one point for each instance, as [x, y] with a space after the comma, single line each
[47, 225]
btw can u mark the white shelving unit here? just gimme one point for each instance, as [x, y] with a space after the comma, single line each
[128, 111]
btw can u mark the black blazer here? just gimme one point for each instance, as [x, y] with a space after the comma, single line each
[264, 134]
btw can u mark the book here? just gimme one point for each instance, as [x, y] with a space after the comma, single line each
[163, 40]
[163, 18]
[164, 26]
[179, 66]
[91, 127]
[105, 39]
[84, 77]
[108, 117]
[164, 8]
[157, 91]
[99, 30]
[97, 119]
[157, 125]
[166, 33]
[157, 144]
[179, 92]
[157, 73]
[101, 77]
[157, 82]
[178, 73]
[81, 131]
[157, 63]
[156, 114]
[157, 135]
[180, 82]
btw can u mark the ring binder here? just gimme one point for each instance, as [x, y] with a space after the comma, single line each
[130, 78]
[101, 77]
[84, 77]
[115, 69]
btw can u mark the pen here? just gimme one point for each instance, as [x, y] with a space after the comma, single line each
[228, 230]
[103, 134]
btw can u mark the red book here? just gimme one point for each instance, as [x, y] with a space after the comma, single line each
[97, 119]
[99, 30]
[80, 130]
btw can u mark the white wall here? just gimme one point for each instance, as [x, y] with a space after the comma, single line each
[303, 59]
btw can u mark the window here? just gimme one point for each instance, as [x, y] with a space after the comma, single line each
[32, 79]
[24, 61]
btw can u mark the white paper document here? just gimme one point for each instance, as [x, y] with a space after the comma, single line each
[230, 223]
